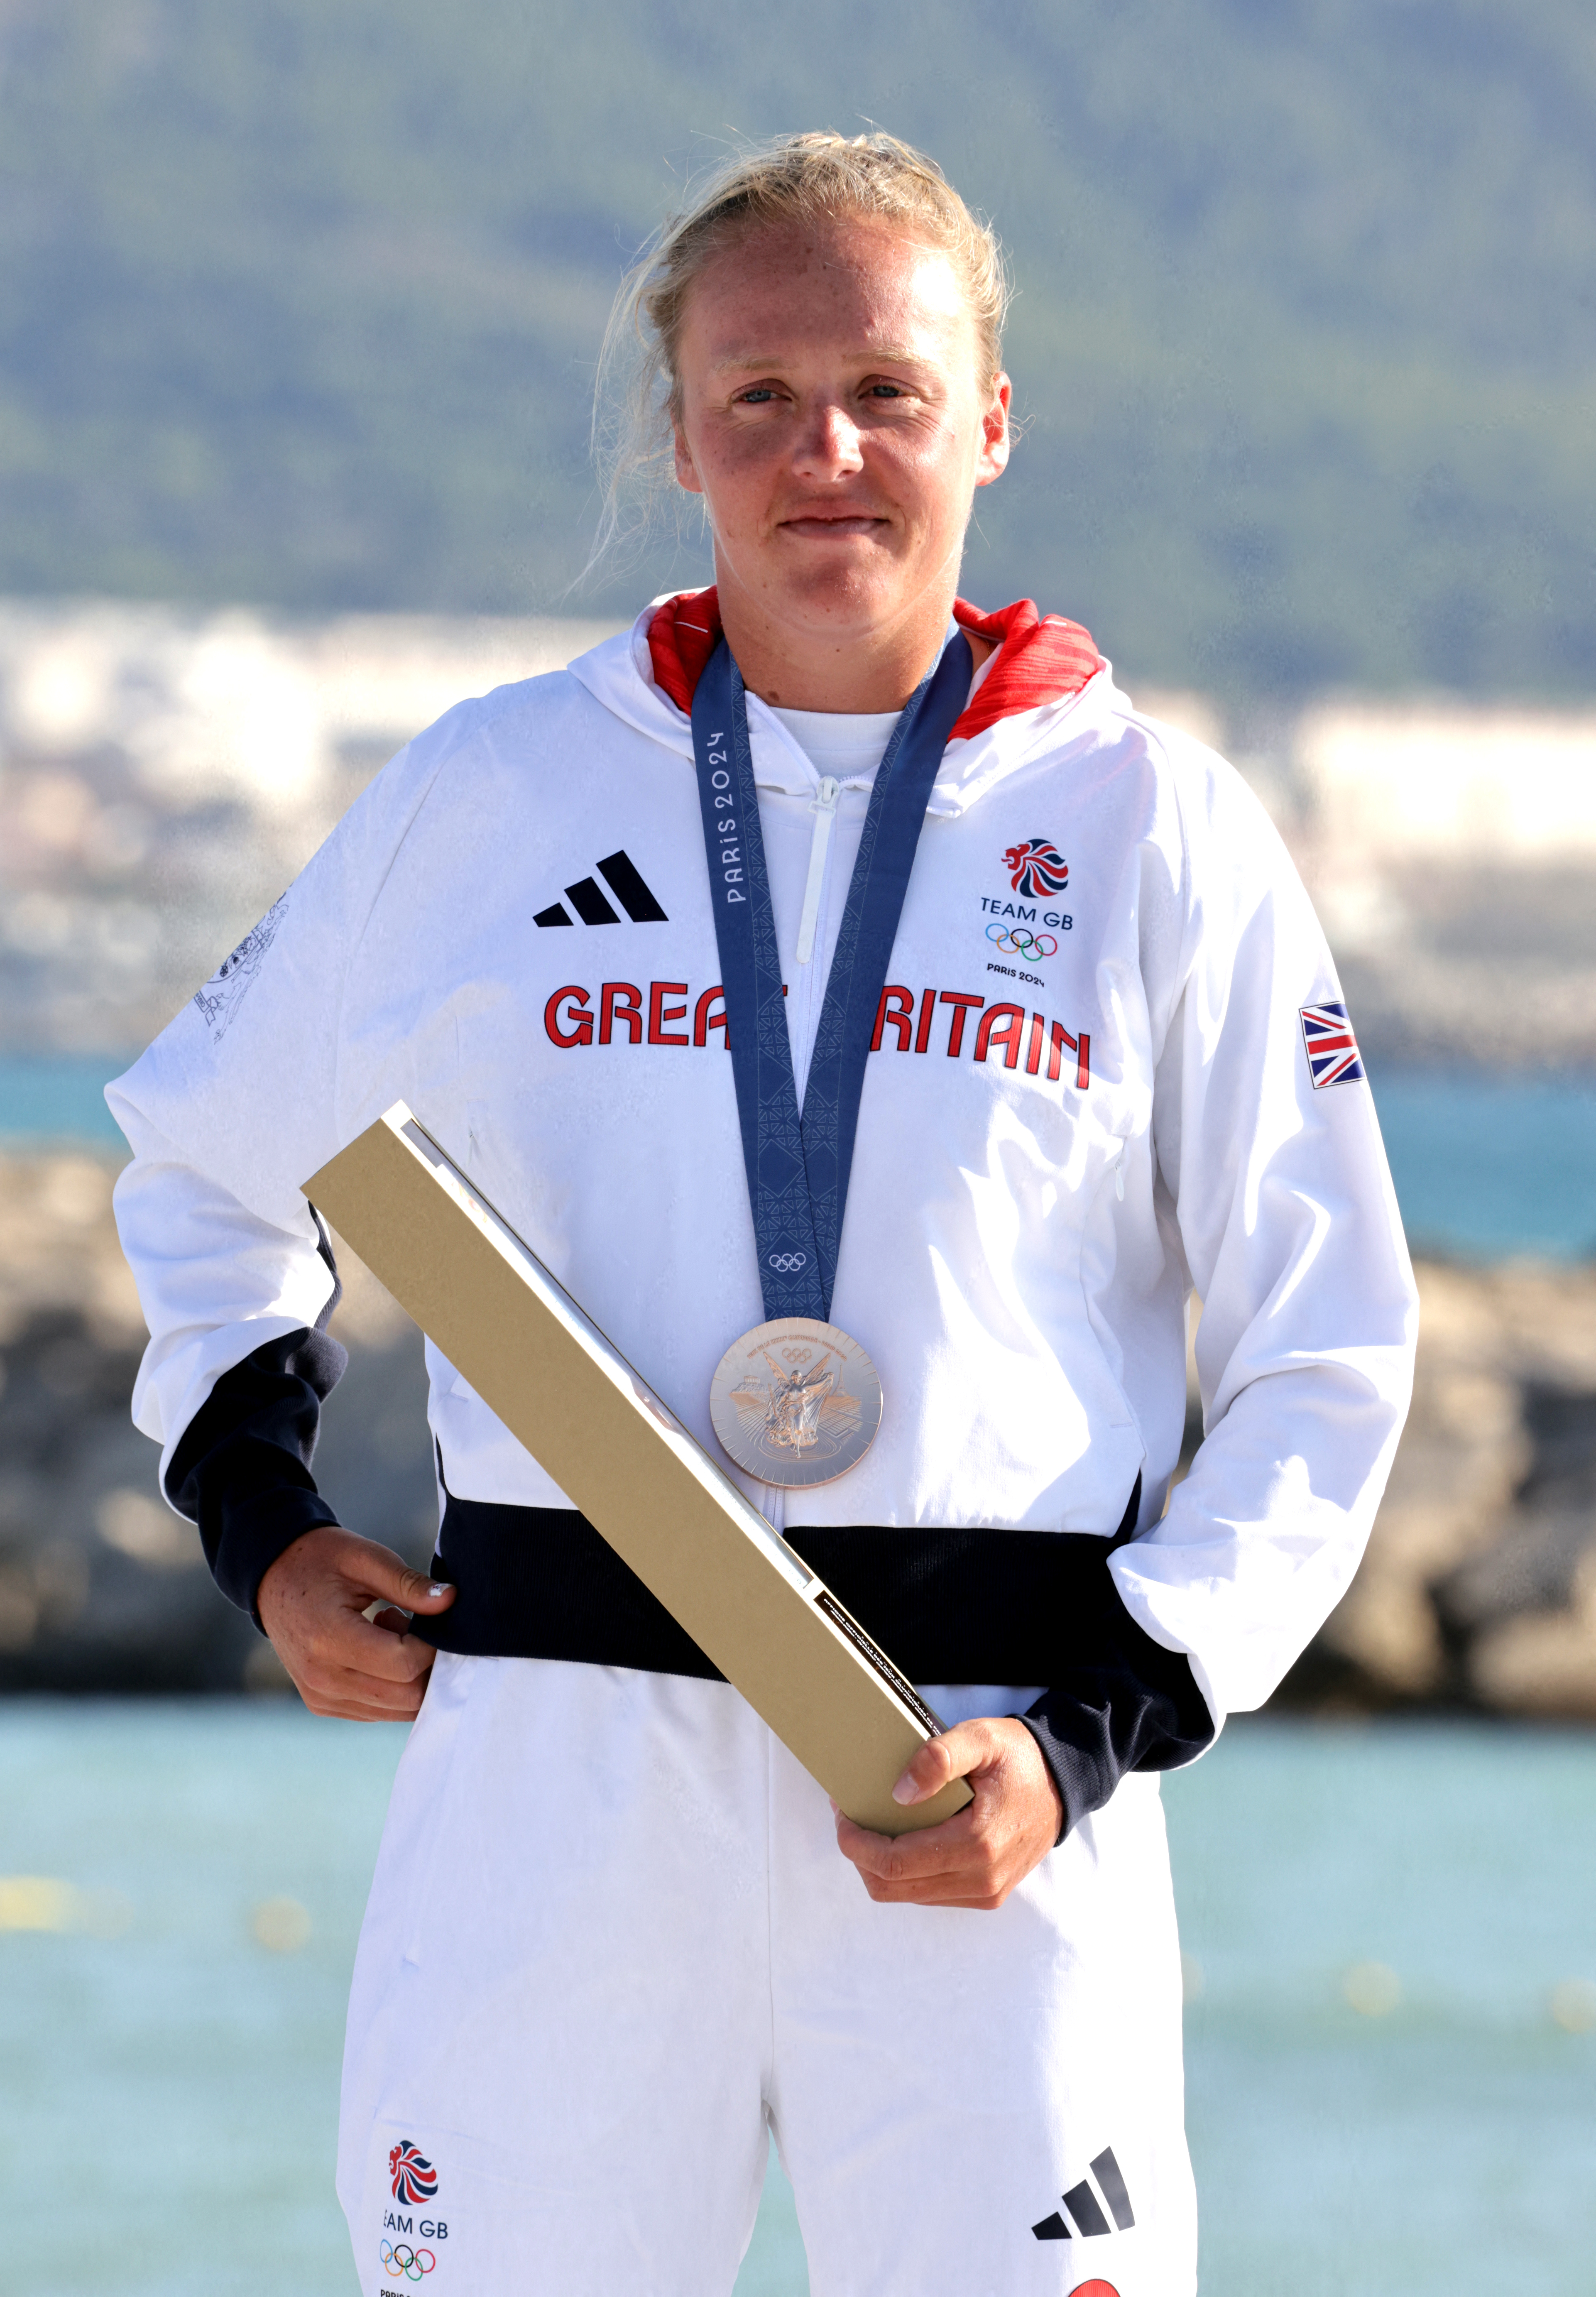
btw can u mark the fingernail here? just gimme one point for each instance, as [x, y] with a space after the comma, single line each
[906, 1790]
[437, 1588]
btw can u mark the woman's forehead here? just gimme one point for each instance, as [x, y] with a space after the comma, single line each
[858, 246]
[779, 282]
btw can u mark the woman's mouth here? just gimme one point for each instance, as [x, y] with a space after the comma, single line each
[817, 526]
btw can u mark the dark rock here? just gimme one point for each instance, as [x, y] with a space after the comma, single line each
[1479, 1589]
[102, 1586]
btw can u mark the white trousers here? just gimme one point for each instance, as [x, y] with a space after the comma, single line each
[611, 1938]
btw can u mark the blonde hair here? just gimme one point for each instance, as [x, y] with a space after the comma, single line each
[809, 178]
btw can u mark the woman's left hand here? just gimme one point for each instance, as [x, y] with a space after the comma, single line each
[986, 1850]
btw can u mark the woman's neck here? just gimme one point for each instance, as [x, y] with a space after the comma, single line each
[851, 672]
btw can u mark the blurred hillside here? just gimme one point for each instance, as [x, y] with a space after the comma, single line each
[300, 301]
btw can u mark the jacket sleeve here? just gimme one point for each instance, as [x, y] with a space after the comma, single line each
[1274, 1187]
[1119, 1701]
[241, 1469]
[248, 1091]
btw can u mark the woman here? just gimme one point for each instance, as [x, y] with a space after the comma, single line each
[1032, 1032]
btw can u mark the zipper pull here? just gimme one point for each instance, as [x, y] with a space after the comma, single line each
[825, 810]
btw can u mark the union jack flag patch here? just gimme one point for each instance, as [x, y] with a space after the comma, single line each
[1333, 1054]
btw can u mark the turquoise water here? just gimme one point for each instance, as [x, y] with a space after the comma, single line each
[167, 2083]
[59, 1096]
[1484, 1166]
[1487, 1167]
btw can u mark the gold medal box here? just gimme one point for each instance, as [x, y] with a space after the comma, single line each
[750, 1603]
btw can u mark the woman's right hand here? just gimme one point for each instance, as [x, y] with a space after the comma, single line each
[312, 1602]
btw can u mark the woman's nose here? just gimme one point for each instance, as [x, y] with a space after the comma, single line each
[830, 443]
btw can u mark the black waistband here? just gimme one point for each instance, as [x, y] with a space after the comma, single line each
[968, 1606]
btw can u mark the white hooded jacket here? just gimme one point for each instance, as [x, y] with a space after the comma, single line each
[1092, 1095]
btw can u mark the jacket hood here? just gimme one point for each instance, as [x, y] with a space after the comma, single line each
[1043, 665]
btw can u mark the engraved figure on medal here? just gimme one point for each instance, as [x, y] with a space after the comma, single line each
[795, 1402]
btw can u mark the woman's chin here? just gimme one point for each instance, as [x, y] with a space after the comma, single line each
[859, 588]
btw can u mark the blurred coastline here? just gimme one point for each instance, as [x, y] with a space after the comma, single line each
[164, 775]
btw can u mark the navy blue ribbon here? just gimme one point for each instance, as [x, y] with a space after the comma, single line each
[798, 1169]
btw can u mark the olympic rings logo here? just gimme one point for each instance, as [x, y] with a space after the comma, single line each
[413, 2263]
[788, 1264]
[1016, 942]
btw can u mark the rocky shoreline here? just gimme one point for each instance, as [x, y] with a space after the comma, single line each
[1478, 1593]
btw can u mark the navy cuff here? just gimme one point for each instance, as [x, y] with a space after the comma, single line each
[242, 1468]
[1122, 1702]
[257, 1527]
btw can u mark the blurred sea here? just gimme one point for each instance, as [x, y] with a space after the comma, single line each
[1390, 2031]
[1487, 1167]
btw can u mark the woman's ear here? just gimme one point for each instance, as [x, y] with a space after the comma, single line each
[993, 459]
[686, 470]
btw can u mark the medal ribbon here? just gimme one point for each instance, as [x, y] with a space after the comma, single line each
[798, 1168]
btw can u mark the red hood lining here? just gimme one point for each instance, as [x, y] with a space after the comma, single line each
[1044, 659]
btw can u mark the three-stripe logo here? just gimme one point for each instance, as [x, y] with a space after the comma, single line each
[587, 898]
[1085, 2207]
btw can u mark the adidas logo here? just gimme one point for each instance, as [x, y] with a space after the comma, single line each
[587, 897]
[1086, 2208]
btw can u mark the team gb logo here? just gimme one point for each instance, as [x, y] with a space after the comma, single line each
[415, 2180]
[1036, 869]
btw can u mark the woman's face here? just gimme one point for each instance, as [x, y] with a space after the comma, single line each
[834, 417]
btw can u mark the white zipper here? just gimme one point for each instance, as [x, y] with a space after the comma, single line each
[825, 810]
